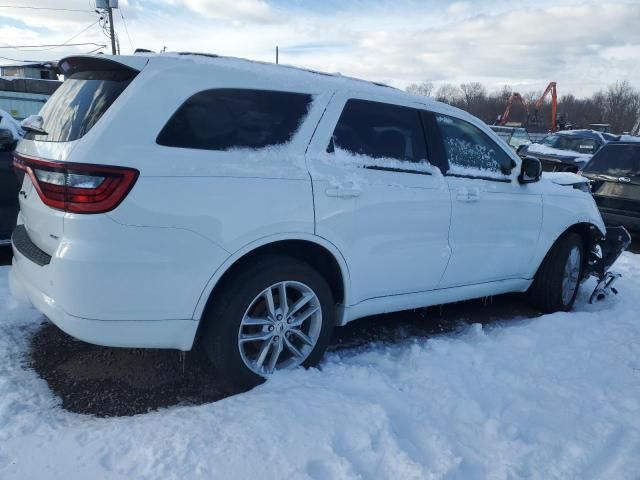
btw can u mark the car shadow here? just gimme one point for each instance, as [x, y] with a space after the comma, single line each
[107, 382]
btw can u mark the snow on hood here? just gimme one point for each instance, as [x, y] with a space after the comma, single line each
[629, 138]
[564, 178]
[544, 150]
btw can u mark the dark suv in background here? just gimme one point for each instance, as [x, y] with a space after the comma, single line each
[614, 172]
[8, 197]
[566, 151]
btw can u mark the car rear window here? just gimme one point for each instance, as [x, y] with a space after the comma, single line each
[616, 159]
[80, 102]
[223, 119]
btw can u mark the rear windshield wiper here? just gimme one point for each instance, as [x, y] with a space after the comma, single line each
[33, 123]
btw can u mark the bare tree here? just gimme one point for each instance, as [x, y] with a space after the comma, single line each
[473, 94]
[450, 94]
[619, 105]
[424, 88]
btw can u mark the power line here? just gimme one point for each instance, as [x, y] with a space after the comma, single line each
[47, 8]
[51, 45]
[124, 22]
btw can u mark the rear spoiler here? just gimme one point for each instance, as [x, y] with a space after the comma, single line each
[77, 63]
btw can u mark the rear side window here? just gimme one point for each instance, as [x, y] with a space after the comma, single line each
[80, 102]
[223, 119]
[380, 130]
[618, 160]
[469, 150]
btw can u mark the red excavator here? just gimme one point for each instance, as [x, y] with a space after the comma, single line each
[554, 106]
[533, 117]
[505, 116]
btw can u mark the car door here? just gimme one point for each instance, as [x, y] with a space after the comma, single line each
[495, 221]
[8, 196]
[377, 197]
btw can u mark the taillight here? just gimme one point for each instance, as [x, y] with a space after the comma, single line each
[78, 188]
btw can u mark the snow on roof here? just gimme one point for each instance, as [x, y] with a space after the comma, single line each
[290, 76]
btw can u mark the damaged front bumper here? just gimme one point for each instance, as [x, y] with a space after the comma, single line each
[604, 251]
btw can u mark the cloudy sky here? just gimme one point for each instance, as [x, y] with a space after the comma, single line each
[584, 46]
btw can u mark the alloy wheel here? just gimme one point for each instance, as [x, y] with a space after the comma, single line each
[280, 328]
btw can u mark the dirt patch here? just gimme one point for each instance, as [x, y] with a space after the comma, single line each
[109, 382]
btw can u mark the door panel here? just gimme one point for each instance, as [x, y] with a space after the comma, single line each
[494, 231]
[390, 219]
[495, 221]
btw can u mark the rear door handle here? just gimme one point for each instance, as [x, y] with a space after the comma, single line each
[342, 192]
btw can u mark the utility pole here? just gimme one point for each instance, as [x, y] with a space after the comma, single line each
[109, 5]
[277, 59]
[111, 30]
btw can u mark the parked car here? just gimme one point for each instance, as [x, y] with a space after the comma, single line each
[9, 135]
[567, 151]
[257, 206]
[514, 136]
[615, 182]
[10, 131]
[8, 198]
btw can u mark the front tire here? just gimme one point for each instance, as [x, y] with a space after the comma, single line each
[556, 283]
[250, 332]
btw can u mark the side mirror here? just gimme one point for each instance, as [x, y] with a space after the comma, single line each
[521, 149]
[507, 170]
[531, 170]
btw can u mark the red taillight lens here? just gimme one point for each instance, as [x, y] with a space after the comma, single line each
[78, 188]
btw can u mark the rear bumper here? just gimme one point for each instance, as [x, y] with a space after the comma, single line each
[117, 285]
[176, 334]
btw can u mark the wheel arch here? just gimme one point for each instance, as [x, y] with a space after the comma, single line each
[315, 250]
[588, 232]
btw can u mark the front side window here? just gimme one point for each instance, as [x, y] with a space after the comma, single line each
[469, 150]
[224, 119]
[380, 130]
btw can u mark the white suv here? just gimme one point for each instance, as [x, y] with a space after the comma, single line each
[169, 199]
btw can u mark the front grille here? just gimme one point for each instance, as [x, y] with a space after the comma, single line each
[26, 247]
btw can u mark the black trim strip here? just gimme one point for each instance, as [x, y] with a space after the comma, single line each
[396, 170]
[26, 247]
[475, 177]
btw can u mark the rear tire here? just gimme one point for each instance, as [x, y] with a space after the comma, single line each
[248, 305]
[556, 283]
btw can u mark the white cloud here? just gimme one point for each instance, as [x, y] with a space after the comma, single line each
[526, 44]
[460, 8]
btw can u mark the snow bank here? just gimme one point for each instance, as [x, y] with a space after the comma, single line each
[553, 397]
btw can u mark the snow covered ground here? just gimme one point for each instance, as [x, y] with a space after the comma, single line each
[552, 397]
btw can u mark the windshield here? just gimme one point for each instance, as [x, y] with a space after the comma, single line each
[79, 103]
[571, 142]
[616, 159]
[518, 138]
